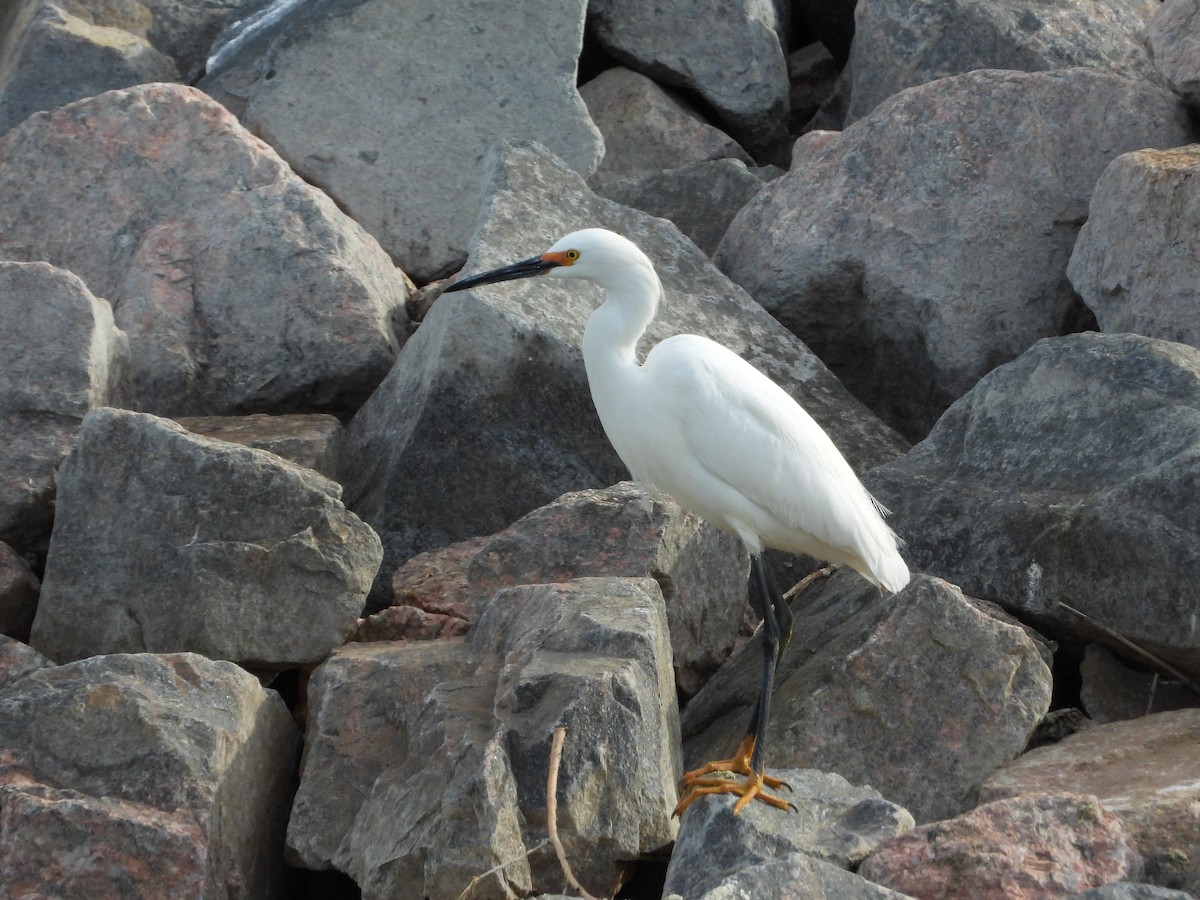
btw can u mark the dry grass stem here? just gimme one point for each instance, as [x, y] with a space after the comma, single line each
[556, 743]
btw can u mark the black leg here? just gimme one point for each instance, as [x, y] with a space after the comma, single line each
[776, 632]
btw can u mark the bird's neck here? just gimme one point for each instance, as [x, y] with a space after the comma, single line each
[611, 336]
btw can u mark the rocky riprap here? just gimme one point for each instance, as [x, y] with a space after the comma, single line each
[303, 566]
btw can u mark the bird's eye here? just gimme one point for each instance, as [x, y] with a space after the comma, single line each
[572, 255]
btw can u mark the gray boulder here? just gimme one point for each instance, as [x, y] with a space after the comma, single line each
[507, 360]
[737, 67]
[925, 245]
[1067, 475]
[454, 77]
[60, 356]
[144, 775]
[1143, 279]
[310, 440]
[1130, 890]
[166, 541]
[17, 660]
[427, 762]
[1111, 691]
[898, 44]
[18, 594]
[240, 287]
[835, 823]
[646, 130]
[922, 694]
[1173, 36]
[55, 51]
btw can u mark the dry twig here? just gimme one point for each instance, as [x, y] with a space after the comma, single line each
[556, 743]
[496, 868]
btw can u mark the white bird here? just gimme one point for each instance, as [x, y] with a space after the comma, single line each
[701, 424]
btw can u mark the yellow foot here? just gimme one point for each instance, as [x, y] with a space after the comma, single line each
[752, 786]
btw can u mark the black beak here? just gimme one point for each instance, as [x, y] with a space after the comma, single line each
[523, 269]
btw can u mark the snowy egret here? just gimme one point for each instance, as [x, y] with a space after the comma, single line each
[703, 425]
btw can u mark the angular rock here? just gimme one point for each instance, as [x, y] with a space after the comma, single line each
[1036, 487]
[17, 660]
[18, 594]
[427, 762]
[832, 21]
[736, 66]
[116, 761]
[992, 169]
[507, 360]
[1173, 36]
[312, 441]
[1128, 890]
[1042, 845]
[1113, 692]
[1143, 279]
[898, 45]
[812, 73]
[1144, 770]
[848, 698]
[55, 52]
[167, 541]
[60, 356]
[646, 130]
[836, 822]
[241, 288]
[701, 198]
[794, 875]
[456, 76]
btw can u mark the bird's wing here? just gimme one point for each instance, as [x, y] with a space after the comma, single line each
[750, 434]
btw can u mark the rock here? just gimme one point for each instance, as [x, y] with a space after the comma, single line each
[1143, 279]
[313, 441]
[167, 541]
[701, 198]
[737, 68]
[836, 822]
[848, 698]
[57, 51]
[993, 169]
[1144, 770]
[408, 623]
[832, 21]
[427, 762]
[1173, 36]
[18, 594]
[898, 45]
[240, 287]
[1128, 890]
[455, 77]
[60, 356]
[1035, 487]
[116, 761]
[812, 73]
[1112, 692]
[17, 660]
[646, 130]
[794, 875]
[507, 360]
[1042, 845]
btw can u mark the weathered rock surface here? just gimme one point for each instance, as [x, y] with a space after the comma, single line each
[991, 169]
[60, 356]
[626, 530]
[167, 541]
[1112, 692]
[739, 68]
[794, 875]
[412, 177]
[1143, 279]
[18, 593]
[1036, 487]
[1129, 890]
[835, 822]
[647, 130]
[1144, 770]
[507, 359]
[17, 660]
[143, 775]
[427, 761]
[847, 700]
[313, 441]
[1042, 845]
[240, 287]
[1173, 36]
[56, 51]
[899, 45]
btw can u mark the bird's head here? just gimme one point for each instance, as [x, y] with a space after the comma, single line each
[593, 254]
